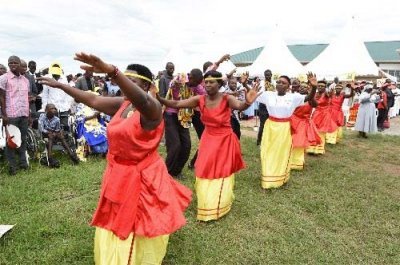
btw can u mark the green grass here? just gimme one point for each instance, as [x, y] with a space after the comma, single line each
[344, 208]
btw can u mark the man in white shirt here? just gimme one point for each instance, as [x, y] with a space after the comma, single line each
[55, 96]
[333, 85]
[237, 91]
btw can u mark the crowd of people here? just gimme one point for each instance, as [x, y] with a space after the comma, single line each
[126, 115]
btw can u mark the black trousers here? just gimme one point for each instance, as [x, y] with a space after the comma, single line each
[177, 142]
[235, 126]
[263, 119]
[199, 127]
[382, 115]
[197, 124]
[22, 124]
[263, 114]
[32, 110]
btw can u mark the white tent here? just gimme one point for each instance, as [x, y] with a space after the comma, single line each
[345, 57]
[277, 57]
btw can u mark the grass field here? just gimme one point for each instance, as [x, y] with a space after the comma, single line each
[344, 208]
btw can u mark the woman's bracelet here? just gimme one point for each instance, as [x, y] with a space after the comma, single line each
[114, 73]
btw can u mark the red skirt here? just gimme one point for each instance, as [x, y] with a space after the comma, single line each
[141, 198]
[324, 121]
[304, 133]
[219, 154]
[337, 116]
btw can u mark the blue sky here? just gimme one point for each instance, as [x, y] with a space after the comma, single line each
[124, 32]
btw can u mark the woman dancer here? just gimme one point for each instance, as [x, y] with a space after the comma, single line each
[132, 225]
[219, 156]
[276, 143]
[337, 99]
[304, 132]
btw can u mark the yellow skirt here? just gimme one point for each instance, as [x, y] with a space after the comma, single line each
[317, 149]
[214, 197]
[111, 250]
[297, 158]
[331, 138]
[339, 134]
[276, 146]
[335, 137]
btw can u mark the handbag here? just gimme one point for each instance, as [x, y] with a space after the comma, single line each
[2, 135]
[9, 138]
[386, 124]
[13, 136]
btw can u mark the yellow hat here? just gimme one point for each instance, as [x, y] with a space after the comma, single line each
[55, 69]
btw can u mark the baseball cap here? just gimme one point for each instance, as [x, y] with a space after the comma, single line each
[55, 69]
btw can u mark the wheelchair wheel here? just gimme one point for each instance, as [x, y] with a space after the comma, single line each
[31, 144]
[71, 141]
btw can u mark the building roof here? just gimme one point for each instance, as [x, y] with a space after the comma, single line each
[306, 53]
[380, 51]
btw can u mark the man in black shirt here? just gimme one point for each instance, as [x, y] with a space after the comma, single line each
[85, 82]
[167, 76]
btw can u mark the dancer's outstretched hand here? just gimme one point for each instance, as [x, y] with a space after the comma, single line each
[94, 63]
[253, 93]
[312, 79]
[51, 82]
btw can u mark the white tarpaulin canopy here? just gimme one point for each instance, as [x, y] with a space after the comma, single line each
[345, 57]
[277, 57]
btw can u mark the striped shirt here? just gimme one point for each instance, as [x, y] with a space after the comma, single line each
[49, 125]
[16, 90]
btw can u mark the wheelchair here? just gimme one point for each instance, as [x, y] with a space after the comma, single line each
[37, 144]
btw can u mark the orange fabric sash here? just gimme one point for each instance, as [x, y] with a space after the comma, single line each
[272, 118]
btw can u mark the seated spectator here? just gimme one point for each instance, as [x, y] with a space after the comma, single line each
[91, 129]
[49, 126]
[59, 98]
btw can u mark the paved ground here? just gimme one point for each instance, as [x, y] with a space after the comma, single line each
[250, 127]
[394, 127]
